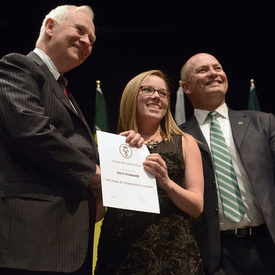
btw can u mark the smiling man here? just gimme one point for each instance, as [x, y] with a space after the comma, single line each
[67, 38]
[236, 234]
[49, 173]
[205, 82]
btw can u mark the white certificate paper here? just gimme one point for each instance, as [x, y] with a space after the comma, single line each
[125, 183]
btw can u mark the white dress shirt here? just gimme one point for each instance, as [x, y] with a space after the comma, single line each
[253, 215]
[49, 63]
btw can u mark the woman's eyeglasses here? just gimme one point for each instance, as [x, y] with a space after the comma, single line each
[149, 90]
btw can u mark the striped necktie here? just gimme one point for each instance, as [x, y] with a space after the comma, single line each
[233, 206]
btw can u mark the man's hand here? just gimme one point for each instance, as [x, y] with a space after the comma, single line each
[133, 138]
[95, 184]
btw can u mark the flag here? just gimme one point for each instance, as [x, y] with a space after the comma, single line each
[96, 239]
[253, 102]
[180, 107]
[101, 123]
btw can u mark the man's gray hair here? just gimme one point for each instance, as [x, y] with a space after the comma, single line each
[60, 14]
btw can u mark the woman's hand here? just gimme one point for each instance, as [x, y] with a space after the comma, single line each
[155, 164]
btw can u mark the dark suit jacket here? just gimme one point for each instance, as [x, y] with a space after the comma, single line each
[47, 160]
[254, 137]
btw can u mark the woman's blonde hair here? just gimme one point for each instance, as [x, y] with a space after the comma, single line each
[127, 112]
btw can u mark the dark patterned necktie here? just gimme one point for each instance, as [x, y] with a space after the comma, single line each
[233, 206]
[62, 84]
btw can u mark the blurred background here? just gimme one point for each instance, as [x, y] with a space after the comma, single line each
[138, 35]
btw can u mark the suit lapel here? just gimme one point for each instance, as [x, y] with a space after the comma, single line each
[54, 84]
[239, 123]
[79, 113]
[57, 90]
[192, 127]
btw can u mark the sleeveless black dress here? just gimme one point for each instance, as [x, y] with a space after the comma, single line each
[133, 242]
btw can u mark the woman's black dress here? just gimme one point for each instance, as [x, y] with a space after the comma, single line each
[133, 242]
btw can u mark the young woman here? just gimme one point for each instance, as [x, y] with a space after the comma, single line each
[133, 242]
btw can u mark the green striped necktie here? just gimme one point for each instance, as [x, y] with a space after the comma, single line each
[233, 206]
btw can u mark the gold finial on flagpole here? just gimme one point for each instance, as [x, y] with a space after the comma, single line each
[180, 83]
[98, 83]
[252, 82]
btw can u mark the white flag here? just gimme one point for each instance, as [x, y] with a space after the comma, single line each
[180, 107]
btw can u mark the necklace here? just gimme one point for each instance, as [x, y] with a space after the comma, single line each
[152, 144]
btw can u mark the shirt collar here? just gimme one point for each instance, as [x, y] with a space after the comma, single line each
[201, 115]
[49, 63]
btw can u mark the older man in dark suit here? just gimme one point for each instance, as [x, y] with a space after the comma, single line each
[49, 173]
[230, 245]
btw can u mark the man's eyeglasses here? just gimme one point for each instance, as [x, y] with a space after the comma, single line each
[148, 90]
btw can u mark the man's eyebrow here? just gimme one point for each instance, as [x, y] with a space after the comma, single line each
[86, 30]
[201, 67]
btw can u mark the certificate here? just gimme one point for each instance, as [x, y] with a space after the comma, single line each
[125, 183]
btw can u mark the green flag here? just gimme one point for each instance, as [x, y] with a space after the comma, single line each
[101, 122]
[253, 102]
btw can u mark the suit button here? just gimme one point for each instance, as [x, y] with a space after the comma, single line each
[70, 171]
[216, 211]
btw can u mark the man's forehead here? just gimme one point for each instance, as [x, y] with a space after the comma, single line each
[79, 15]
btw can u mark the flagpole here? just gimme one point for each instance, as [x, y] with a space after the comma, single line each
[100, 123]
